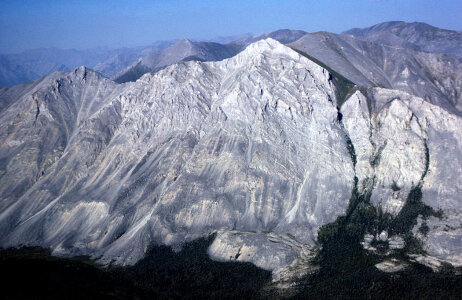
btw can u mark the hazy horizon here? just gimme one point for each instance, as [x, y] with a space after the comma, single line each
[28, 25]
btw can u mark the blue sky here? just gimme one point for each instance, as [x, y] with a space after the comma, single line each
[116, 23]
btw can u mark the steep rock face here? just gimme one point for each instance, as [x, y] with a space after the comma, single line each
[357, 123]
[410, 143]
[251, 143]
[39, 124]
[442, 184]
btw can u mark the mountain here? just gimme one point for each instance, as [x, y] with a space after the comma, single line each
[126, 64]
[194, 165]
[115, 64]
[268, 149]
[203, 51]
[180, 51]
[32, 64]
[434, 77]
[228, 39]
[344, 56]
[416, 36]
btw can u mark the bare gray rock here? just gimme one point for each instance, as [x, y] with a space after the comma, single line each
[437, 78]
[235, 144]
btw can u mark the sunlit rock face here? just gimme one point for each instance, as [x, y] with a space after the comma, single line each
[256, 148]
[251, 143]
[410, 142]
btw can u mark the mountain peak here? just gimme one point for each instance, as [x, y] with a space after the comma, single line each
[83, 72]
[267, 44]
[184, 41]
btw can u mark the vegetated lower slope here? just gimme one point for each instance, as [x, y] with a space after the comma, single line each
[162, 273]
[349, 271]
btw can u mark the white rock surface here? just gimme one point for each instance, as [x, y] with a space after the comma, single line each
[391, 266]
[404, 128]
[251, 143]
[383, 236]
[396, 242]
[427, 260]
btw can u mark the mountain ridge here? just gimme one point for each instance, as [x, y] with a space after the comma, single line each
[417, 36]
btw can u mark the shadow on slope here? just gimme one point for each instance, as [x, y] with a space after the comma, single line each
[344, 87]
[347, 270]
[35, 273]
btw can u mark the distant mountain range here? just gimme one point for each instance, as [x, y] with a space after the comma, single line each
[32, 64]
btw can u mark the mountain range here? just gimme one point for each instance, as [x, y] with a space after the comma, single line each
[272, 142]
[33, 64]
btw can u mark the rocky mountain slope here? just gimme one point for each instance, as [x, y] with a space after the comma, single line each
[202, 155]
[417, 36]
[434, 77]
[261, 148]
